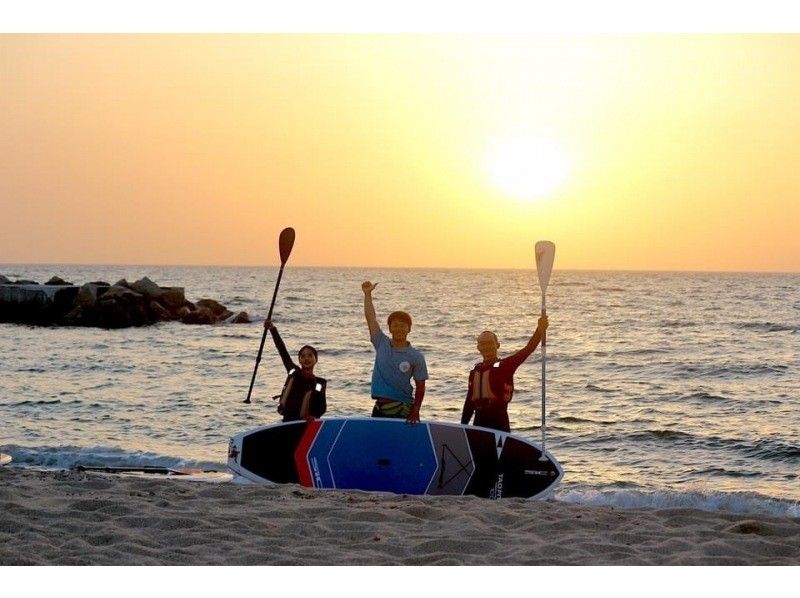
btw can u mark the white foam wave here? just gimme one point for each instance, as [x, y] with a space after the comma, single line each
[68, 457]
[733, 502]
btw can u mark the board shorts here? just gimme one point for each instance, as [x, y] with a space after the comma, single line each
[386, 408]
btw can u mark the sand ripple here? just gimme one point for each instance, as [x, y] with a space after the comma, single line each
[72, 518]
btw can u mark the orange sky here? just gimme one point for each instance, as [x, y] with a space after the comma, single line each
[198, 149]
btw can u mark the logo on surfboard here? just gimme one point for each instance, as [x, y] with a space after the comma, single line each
[497, 491]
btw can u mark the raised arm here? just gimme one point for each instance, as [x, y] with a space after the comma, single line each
[369, 308]
[280, 345]
[523, 354]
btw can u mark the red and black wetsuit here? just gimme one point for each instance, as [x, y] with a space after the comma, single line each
[491, 387]
[302, 396]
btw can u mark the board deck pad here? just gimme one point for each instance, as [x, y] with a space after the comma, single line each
[388, 455]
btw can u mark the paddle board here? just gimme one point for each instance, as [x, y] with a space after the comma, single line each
[193, 475]
[5, 459]
[389, 455]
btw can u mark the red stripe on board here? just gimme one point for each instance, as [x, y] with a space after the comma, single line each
[301, 453]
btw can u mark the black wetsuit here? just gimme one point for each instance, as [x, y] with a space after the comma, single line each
[302, 396]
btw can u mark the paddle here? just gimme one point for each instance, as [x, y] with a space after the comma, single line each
[545, 254]
[140, 469]
[285, 244]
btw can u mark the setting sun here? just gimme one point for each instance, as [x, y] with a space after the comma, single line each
[633, 152]
[527, 168]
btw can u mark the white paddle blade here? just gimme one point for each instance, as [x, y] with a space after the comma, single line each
[545, 254]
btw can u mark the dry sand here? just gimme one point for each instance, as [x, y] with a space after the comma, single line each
[71, 518]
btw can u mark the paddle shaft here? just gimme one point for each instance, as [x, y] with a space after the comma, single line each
[545, 254]
[142, 469]
[544, 362]
[264, 336]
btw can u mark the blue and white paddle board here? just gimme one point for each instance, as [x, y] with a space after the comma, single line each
[389, 455]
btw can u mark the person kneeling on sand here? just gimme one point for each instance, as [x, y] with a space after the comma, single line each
[303, 394]
[491, 381]
[396, 363]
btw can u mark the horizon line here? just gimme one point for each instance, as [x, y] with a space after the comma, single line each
[332, 267]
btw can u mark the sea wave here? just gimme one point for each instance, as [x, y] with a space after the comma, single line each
[29, 402]
[734, 502]
[648, 351]
[732, 370]
[774, 450]
[729, 472]
[767, 448]
[677, 324]
[595, 388]
[618, 494]
[769, 327]
[651, 368]
[705, 397]
[661, 435]
[582, 420]
[70, 457]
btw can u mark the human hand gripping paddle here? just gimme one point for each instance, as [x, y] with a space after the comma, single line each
[285, 244]
[545, 254]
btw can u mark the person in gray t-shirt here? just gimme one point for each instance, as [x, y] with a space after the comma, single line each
[396, 364]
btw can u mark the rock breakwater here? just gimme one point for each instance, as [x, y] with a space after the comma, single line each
[104, 305]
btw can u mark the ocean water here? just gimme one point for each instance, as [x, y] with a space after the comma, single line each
[663, 389]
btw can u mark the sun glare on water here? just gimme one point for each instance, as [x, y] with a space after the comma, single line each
[527, 168]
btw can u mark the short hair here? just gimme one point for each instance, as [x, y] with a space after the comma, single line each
[399, 315]
[310, 348]
[492, 333]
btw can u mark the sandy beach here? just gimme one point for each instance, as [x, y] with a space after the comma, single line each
[79, 518]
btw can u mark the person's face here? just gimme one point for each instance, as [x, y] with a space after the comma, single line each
[488, 345]
[399, 329]
[307, 359]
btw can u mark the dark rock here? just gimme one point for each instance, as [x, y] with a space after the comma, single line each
[148, 288]
[108, 306]
[202, 315]
[55, 280]
[119, 291]
[35, 304]
[87, 295]
[122, 311]
[240, 318]
[120, 307]
[173, 297]
[158, 312]
[74, 317]
[113, 314]
[216, 308]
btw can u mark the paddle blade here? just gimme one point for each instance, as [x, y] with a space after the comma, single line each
[285, 244]
[545, 254]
